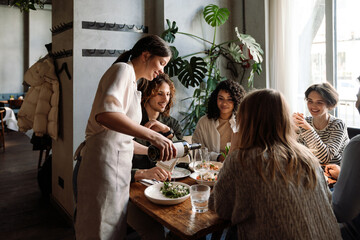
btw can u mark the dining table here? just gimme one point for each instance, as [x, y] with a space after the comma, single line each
[179, 218]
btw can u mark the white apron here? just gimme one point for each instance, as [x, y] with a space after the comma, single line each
[104, 178]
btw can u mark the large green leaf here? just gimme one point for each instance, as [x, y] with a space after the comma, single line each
[215, 16]
[192, 73]
[236, 52]
[175, 63]
[252, 45]
[169, 34]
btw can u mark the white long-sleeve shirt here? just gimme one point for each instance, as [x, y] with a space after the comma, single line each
[207, 134]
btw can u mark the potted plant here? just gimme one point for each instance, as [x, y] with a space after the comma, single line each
[201, 69]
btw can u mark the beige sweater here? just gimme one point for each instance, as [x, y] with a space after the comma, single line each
[272, 211]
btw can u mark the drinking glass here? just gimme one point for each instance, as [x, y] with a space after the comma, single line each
[199, 195]
[201, 163]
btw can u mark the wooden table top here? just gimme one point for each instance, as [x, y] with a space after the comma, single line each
[178, 218]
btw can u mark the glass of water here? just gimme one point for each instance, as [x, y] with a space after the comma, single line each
[199, 195]
[201, 162]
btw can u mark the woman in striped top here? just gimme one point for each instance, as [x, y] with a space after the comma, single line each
[321, 132]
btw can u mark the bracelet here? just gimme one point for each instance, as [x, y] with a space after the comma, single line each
[168, 133]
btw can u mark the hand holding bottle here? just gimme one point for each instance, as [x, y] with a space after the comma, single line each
[166, 148]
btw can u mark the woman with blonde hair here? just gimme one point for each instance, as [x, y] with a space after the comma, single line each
[270, 186]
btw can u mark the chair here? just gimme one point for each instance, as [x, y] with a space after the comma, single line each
[2, 115]
[15, 105]
[352, 131]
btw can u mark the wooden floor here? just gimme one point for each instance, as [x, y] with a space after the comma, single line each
[24, 212]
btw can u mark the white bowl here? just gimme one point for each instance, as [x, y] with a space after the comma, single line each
[154, 194]
[218, 164]
[194, 176]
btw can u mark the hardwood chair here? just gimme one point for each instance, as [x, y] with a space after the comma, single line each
[2, 115]
[15, 105]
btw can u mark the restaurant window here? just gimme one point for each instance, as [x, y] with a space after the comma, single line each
[346, 37]
[348, 48]
[313, 41]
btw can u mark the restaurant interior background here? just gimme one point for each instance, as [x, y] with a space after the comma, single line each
[305, 41]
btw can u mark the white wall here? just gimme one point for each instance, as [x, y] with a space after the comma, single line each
[11, 49]
[14, 46]
[40, 34]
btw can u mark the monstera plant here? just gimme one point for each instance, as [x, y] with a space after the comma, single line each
[201, 70]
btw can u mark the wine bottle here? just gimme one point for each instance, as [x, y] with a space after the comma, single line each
[183, 148]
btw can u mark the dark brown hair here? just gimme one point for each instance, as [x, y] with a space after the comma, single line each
[149, 89]
[327, 92]
[150, 43]
[236, 92]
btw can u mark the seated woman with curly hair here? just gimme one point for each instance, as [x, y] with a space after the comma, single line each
[214, 130]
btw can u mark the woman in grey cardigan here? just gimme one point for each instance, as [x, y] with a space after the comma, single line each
[270, 186]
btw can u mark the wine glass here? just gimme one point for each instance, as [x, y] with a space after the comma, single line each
[201, 161]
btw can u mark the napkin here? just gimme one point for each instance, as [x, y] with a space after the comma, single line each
[167, 165]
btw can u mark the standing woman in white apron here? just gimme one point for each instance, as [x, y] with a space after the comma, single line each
[103, 178]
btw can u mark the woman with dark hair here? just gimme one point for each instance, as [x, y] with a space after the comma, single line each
[271, 186]
[323, 133]
[214, 130]
[103, 177]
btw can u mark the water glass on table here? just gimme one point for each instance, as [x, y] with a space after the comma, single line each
[199, 195]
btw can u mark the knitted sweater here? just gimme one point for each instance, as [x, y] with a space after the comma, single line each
[273, 210]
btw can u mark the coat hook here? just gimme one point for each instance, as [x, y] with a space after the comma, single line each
[91, 51]
[112, 26]
[102, 51]
[141, 27]
[101, 26]
[92, 24]
[122, 26]
[131, 27]
[112, 52]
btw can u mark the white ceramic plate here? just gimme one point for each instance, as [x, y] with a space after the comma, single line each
[194, 176]
[154, 195]
[216, 164]
[180, 173]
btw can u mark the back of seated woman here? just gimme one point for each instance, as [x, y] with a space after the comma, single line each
[323, 133]
[271, 186]
[214, 130]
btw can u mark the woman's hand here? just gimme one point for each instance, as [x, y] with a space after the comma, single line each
[332, 170]
[157, 126]
[165, 146]
[300, 121]
[153, 173]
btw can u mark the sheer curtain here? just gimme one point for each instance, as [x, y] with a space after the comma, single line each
[293, 25]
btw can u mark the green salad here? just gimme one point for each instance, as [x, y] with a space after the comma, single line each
[174, 191]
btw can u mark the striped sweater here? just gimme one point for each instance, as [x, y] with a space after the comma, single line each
[327, 144]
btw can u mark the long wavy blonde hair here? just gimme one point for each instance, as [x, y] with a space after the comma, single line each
[265, 124]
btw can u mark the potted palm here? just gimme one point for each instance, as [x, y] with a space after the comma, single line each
[201, 70]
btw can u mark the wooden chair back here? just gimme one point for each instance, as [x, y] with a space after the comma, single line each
[2, 114]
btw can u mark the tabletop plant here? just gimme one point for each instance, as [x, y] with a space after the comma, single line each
[201, 70]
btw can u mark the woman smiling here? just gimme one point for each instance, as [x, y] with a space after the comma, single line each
[214, 130]
[324, 134]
